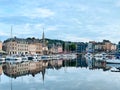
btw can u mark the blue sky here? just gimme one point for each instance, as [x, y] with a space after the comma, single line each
[73, 20]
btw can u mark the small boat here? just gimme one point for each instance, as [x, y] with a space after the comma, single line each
[13, 59]
[2, 60]
[113, 61]
[101, 56]
[113, 69]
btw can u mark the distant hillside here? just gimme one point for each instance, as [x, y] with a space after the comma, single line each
[54, 41]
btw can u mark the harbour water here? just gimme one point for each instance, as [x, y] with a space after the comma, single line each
[78, 74]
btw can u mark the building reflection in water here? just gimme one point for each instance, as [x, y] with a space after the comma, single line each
[1, 69]
[33, 68]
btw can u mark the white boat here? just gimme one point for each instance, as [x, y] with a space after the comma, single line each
[45, 57]
[2, 60]
[72, 56]
[113, 61]
[114, 69]
[13, 59]
[101, 56]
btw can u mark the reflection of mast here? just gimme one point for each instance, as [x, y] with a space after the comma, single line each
[10, 71]
[0, 78]
[1, 71]
[65, 66]
[43, 75]
[76, 62]
[76, 54]
[22, 79]
[11, 83]
[11, 77]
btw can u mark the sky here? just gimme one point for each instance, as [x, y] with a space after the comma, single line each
[68, 20]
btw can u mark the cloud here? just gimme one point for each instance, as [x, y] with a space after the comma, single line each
[109, 31]
[74, 38]
[117, 3]
[38, 13]
[51, 28]
[3, 34]
[75, 20]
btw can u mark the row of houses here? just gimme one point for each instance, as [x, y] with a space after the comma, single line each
[22, 46]
[104, 46]
[25, 46]
[95, 47]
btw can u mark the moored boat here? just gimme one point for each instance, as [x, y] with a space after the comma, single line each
[113, 61]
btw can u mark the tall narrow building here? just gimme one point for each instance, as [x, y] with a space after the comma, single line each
[44, 46]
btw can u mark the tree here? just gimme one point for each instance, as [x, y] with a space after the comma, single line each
[72, 47]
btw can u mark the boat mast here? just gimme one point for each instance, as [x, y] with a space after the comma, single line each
[11, 32]
[10, 52]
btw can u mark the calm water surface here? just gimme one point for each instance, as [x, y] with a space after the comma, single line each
[69, 75]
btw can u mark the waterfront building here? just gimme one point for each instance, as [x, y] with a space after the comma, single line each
[81, 47]
[52, 48]
[91, 46]
[113, 48]
[15, 46]
[99, 47]
[10, 47]
[105, 46]
[1, 49]
[0, 46]
[22, 47]
[39, 48]
[117, 54]
[56, 49]
[59, 49]
[108, 45]
[35, 48]
[32, 48]
[118, 47]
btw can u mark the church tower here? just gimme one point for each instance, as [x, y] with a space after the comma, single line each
[44, 46]
[43, 39]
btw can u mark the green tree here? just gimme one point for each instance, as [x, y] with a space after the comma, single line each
[72, 47]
